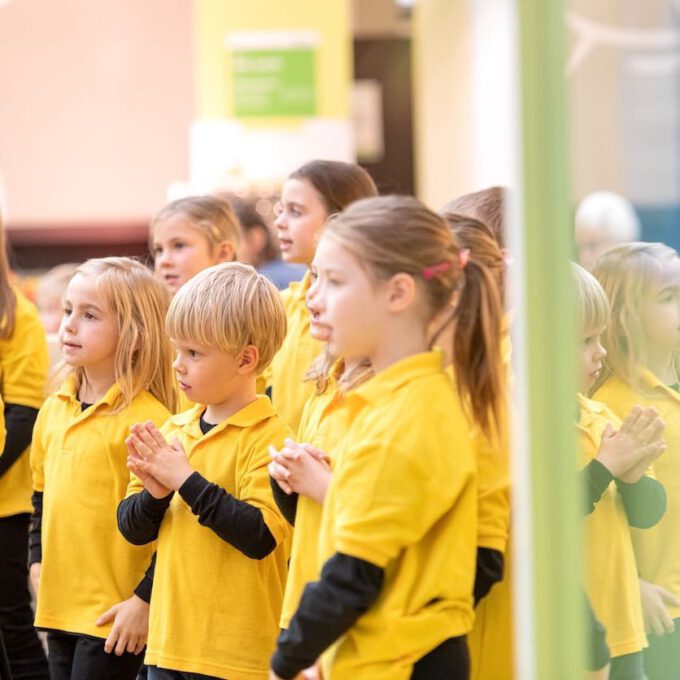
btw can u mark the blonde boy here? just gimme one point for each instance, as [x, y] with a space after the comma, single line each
[201, 486]
[620, 492]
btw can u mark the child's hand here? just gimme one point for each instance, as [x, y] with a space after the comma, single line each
[628, 452]
[34, 576]
[303, 468]
[602, 674]
[130, 626]
[152, 485]
[165, 462]
[654, 601]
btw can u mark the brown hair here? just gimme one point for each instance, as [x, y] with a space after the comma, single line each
[143, 359]
[229, 306]
[8, 300]
[478, 238]
[487, 205]
[211, 215]
[398, 234]
[627, 274]
[338, 183]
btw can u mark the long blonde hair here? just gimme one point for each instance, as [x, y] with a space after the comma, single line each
[627, 274]
[327, 366]
[399, 234]
[143, 359]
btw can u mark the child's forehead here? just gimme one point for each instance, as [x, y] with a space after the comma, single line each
[592, 332]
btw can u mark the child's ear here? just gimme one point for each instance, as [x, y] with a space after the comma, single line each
[226, 252]
[248, 359]
[401, 291]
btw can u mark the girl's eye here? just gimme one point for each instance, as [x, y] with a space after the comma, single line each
[90, 316]
[313, 275]
[192, 353]
[67, 311]
[178, 246]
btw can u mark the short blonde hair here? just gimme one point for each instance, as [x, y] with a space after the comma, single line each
[143, 359]
[627, 274]
[592, 304]
[229, 306]
[212, 216]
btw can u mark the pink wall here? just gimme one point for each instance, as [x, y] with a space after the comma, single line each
[96, 103]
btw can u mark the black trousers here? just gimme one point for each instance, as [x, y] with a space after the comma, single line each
[627, 667]
[449, 661]
[80, 657]
[24, 651]
[662, 657]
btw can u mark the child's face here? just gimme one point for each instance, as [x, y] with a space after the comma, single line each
[205, 374]
[89, 331]
[591, 355]
[660, 310]
[180, 252]
[301, 220]
[348, 308]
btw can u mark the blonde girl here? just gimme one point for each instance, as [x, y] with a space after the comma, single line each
[310, 195]
[642, 367]
[23, 369]
[399, 526]
[92, 591]
[301, 472]
[190, 235]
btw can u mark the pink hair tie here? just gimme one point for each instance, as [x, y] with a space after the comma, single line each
[437, 269]
[463, 257]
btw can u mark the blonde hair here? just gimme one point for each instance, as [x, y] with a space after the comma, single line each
[398, 234]
[229, 306]
[143, 359]
[592, 305]
[8, 300]
[627, 274]
[212, 216]
[327, 366]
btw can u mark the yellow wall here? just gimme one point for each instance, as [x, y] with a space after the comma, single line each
[215, 18]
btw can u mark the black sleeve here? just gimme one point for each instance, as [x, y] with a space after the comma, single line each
[19, 421]
[234, 521]
[596, 478]
[140, 517]
[286, 502]
[143, 590]
[598, 657]
[328, 608]
[644, 501]
[35, 530]
[490, 564]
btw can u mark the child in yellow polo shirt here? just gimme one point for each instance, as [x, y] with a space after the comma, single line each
[399, 524]
[642, 281]
[310, 195]
[201, 486]
[300, 477]
[23, 374]
[92, 590]
[620, 452]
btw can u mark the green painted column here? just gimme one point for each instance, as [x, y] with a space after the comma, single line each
[550, 341]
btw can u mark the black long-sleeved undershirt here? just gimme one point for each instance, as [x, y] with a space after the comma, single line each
[19, 422]
[488, 572]
[644, 501]
[234, 521]
[328, 608]
[596, 478]
[286, 503]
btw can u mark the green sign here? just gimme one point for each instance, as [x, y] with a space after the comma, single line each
[274, 82]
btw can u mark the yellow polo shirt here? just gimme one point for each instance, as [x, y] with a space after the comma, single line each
[657, 549]
[24, 365]
[324, 422]
[213, 610]
[79, 462]
[291, 363]
[403, 496]
[611, 572]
